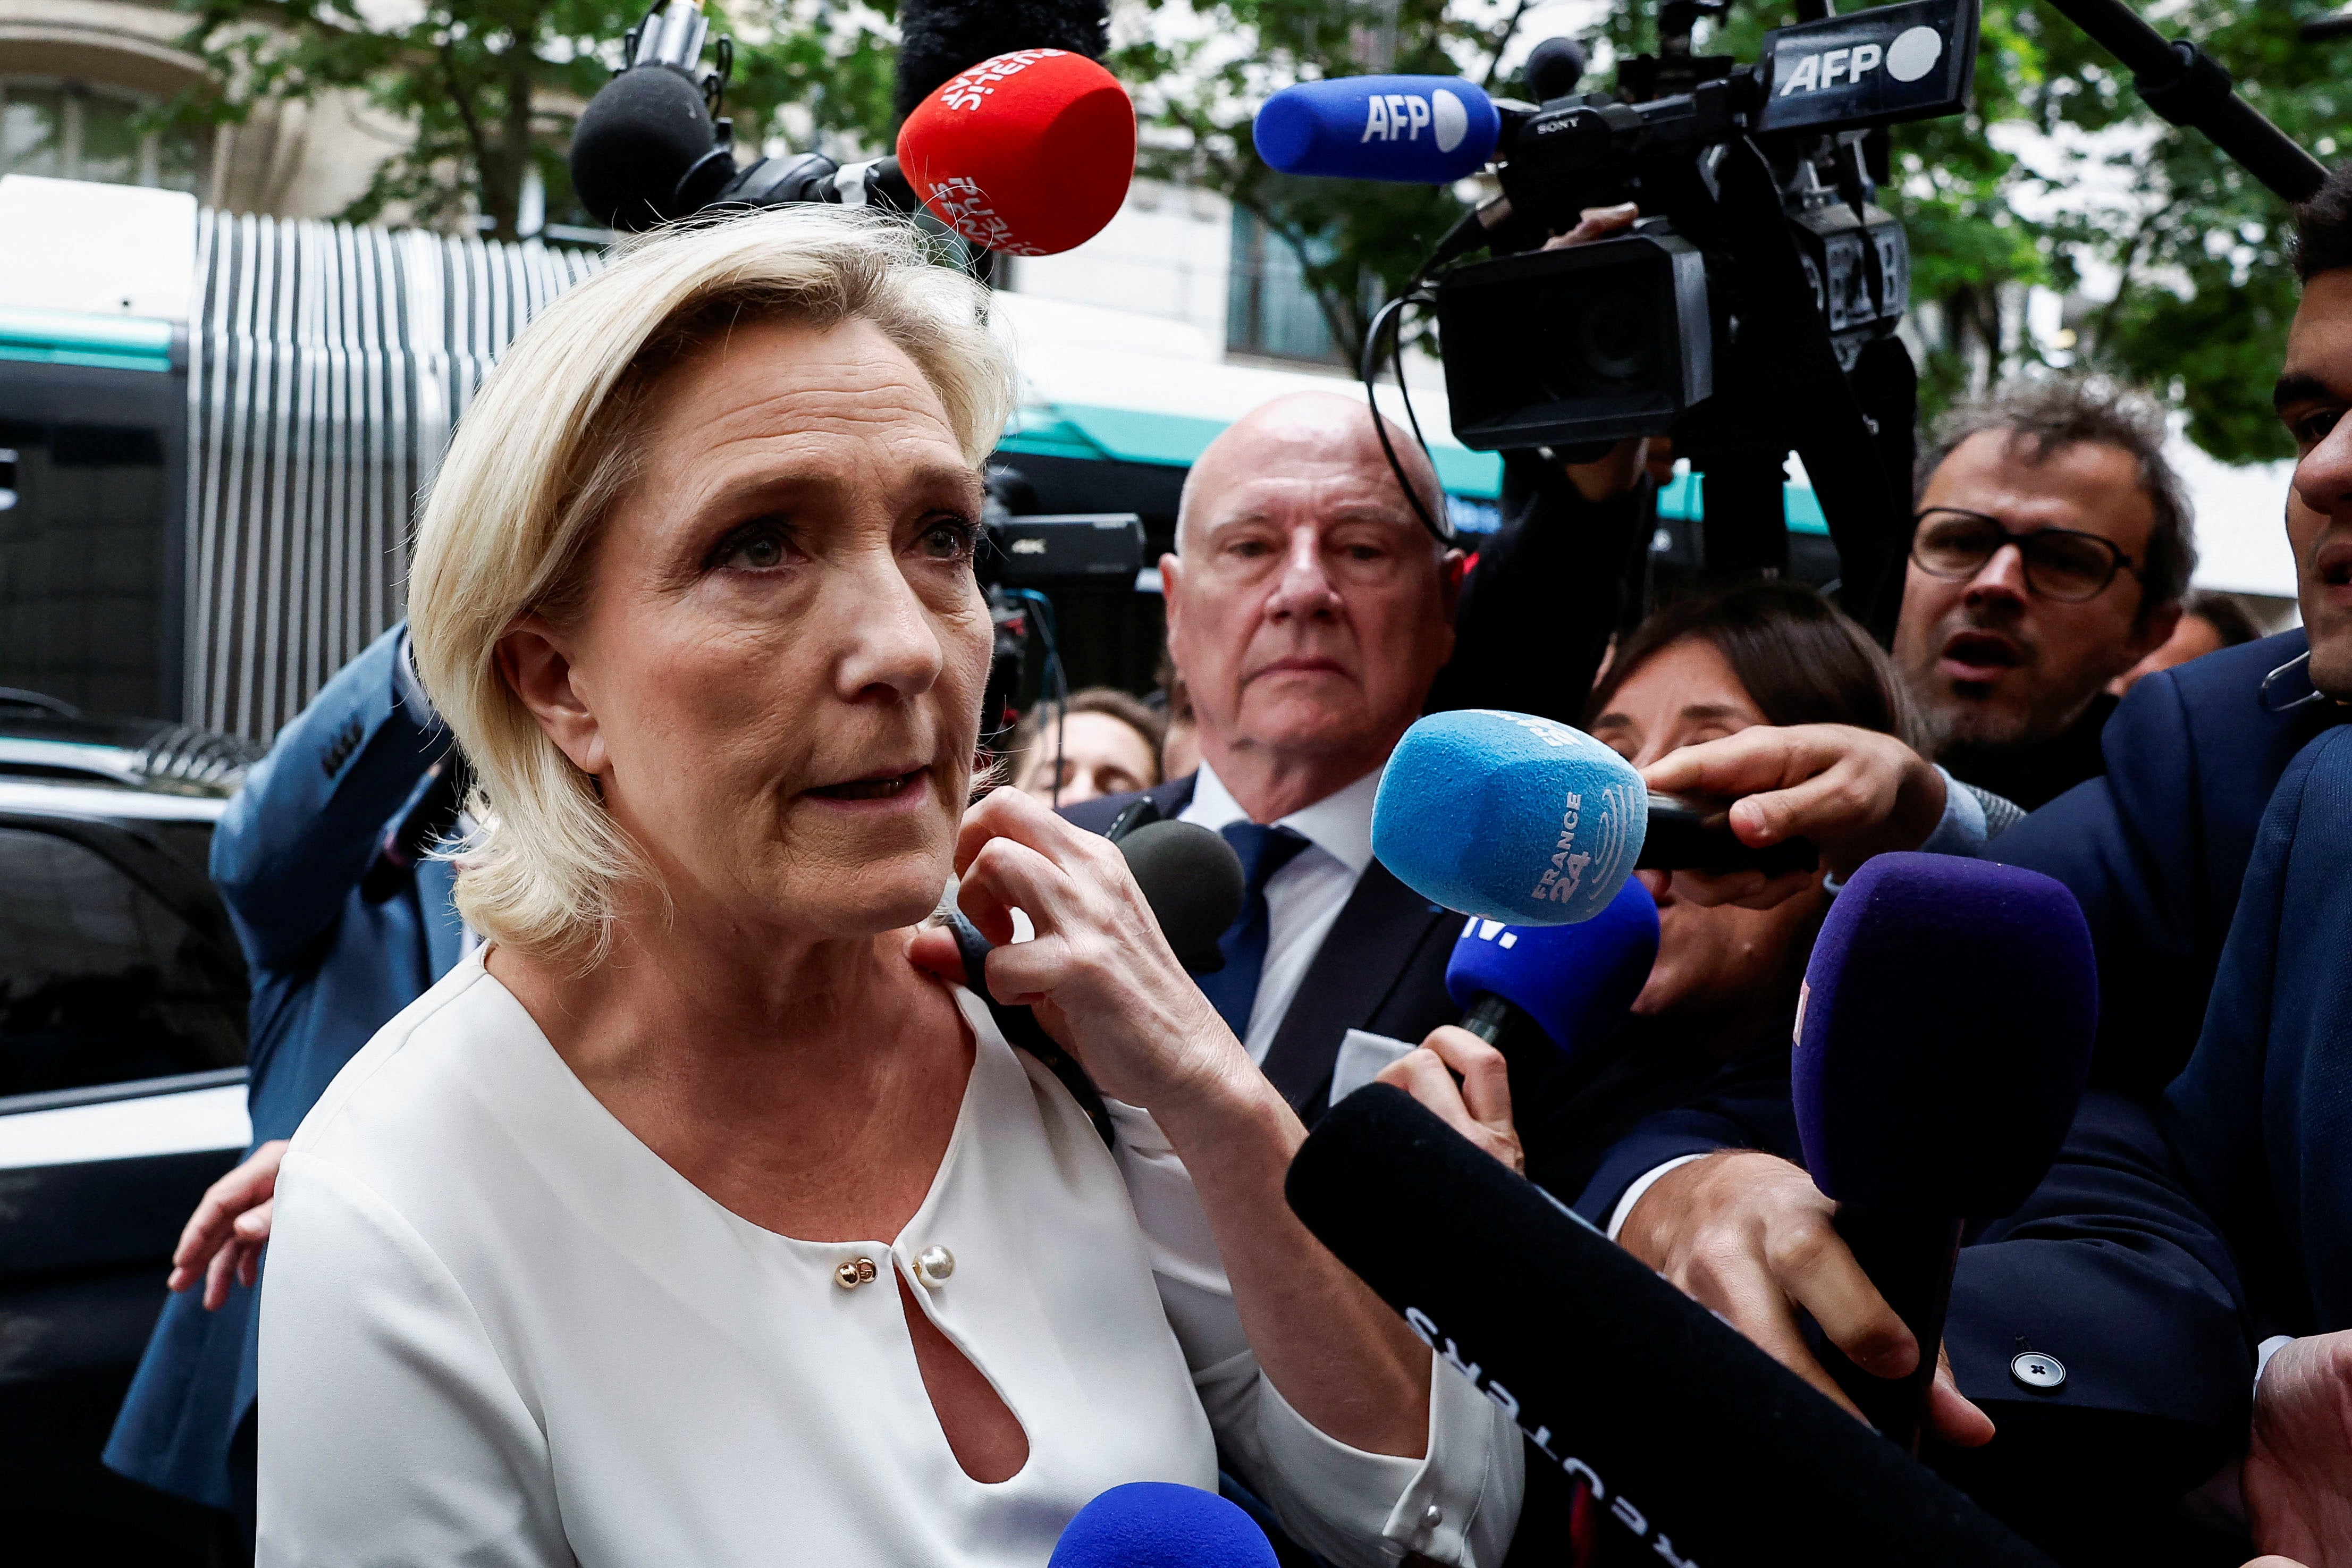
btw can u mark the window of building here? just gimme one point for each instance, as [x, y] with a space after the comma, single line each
[1269, 310]
[70, 132]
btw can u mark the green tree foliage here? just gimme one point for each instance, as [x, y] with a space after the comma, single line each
[488, 87]
[2107, 196]
[1199, 81]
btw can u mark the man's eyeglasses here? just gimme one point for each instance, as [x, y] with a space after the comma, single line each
[2060, 563]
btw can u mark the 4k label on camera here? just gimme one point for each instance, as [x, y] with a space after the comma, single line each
[1869, 68]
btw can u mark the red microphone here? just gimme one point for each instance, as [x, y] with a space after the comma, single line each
[1029, 152]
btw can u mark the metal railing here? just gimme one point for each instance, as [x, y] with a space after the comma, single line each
[327, 365]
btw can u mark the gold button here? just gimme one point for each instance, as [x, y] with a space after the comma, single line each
[855, 1272]
[933, 1265]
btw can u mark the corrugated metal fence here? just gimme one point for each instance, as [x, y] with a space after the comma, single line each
[327, 365]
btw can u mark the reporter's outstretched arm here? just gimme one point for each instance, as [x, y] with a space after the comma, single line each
[300, 835]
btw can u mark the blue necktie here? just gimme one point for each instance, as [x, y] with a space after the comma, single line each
[1233, 990]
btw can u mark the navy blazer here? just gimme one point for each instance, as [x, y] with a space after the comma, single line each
[2263, 1117]
[331, 966]
[2155, 850]
[1381, 968]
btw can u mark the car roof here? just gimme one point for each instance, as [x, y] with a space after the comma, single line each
[52, 757]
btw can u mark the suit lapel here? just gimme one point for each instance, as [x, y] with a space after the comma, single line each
[1366, 952]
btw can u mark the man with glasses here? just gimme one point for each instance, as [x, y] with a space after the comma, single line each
[2050, 553]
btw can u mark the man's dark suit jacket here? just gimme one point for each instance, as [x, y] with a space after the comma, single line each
[1381, 968]
[2109, 1267]
[2263, 1117]
[2155, 850]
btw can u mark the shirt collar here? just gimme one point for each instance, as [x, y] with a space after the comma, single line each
[1340, 823]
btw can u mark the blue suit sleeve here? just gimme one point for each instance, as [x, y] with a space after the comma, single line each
[1744, 1106]
[2256, 1116]
[299, 836]
[2129, 846]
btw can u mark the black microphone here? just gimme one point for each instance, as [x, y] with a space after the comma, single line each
[646, 149]
[1696, 1442]
[1942, 1045]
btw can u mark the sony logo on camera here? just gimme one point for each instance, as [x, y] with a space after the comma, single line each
[1869, 68]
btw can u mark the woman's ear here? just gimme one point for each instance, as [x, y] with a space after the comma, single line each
[536, 661]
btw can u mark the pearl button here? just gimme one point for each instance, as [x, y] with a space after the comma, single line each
[857, 1272]
[933, 1265]
[1432, 1516]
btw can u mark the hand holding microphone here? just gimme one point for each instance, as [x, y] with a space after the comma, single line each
[1852, 793]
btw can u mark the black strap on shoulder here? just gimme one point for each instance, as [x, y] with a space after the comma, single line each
[1020, 1027]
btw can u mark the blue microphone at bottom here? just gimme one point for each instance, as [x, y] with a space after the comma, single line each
[1159, 1524]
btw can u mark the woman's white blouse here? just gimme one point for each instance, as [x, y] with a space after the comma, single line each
[499, 1330]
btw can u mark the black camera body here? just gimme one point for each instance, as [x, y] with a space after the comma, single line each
[1752, 309]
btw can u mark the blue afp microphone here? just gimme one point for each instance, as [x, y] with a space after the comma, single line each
[1510, 817]
[1570, 984]
[1159, 1524]
[1416, 130]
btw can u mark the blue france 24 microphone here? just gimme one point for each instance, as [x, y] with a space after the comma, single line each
[1159, 1524]
[1942, 1046]
[1568, 986]
[1414, 129]
[1510, 817]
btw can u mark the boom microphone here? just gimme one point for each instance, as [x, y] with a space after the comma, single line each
[1568, 988]
[937, 38]
[1696, 1442]
[1510, 817]
[1159, 1524]
[1414, 129]
[1921, 1107]
[1029, 152]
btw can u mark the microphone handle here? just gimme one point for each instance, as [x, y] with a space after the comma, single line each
[1513, 1030]
[1910, 1257]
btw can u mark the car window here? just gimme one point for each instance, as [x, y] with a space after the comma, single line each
[101, 980]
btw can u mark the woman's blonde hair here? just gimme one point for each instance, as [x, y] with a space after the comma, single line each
[553, 441]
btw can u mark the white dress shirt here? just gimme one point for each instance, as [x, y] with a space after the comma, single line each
[1304, 898]
[501, 1330]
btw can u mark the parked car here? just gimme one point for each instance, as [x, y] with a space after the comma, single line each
[123, 1041]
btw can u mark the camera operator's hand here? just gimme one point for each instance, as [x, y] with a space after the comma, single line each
[1748, 1235]
[2298, 1478]
[1614, 475]
[1854, 793]
[1480, 1106]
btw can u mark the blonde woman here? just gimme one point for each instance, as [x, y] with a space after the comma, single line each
[702, 1218]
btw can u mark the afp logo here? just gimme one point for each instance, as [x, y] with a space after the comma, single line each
[1912, 54]
[1403, 116]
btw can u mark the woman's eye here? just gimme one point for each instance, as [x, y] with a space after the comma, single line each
[758, 547]
[949, 538]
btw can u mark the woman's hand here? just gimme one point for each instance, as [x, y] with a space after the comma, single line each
[225, 1236]
[1098, 972]
[1478, 1106]
[1854, 793]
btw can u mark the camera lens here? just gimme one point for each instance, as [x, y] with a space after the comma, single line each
[1616, 334]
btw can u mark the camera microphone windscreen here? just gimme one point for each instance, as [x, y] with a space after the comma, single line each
[937, 38]
[1574, 983]
[634, 142]
[1945, 1035]
[1692, 1440]
[1414, 129]
[1510, 817]
[1029, 152]
[1159, 1524]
